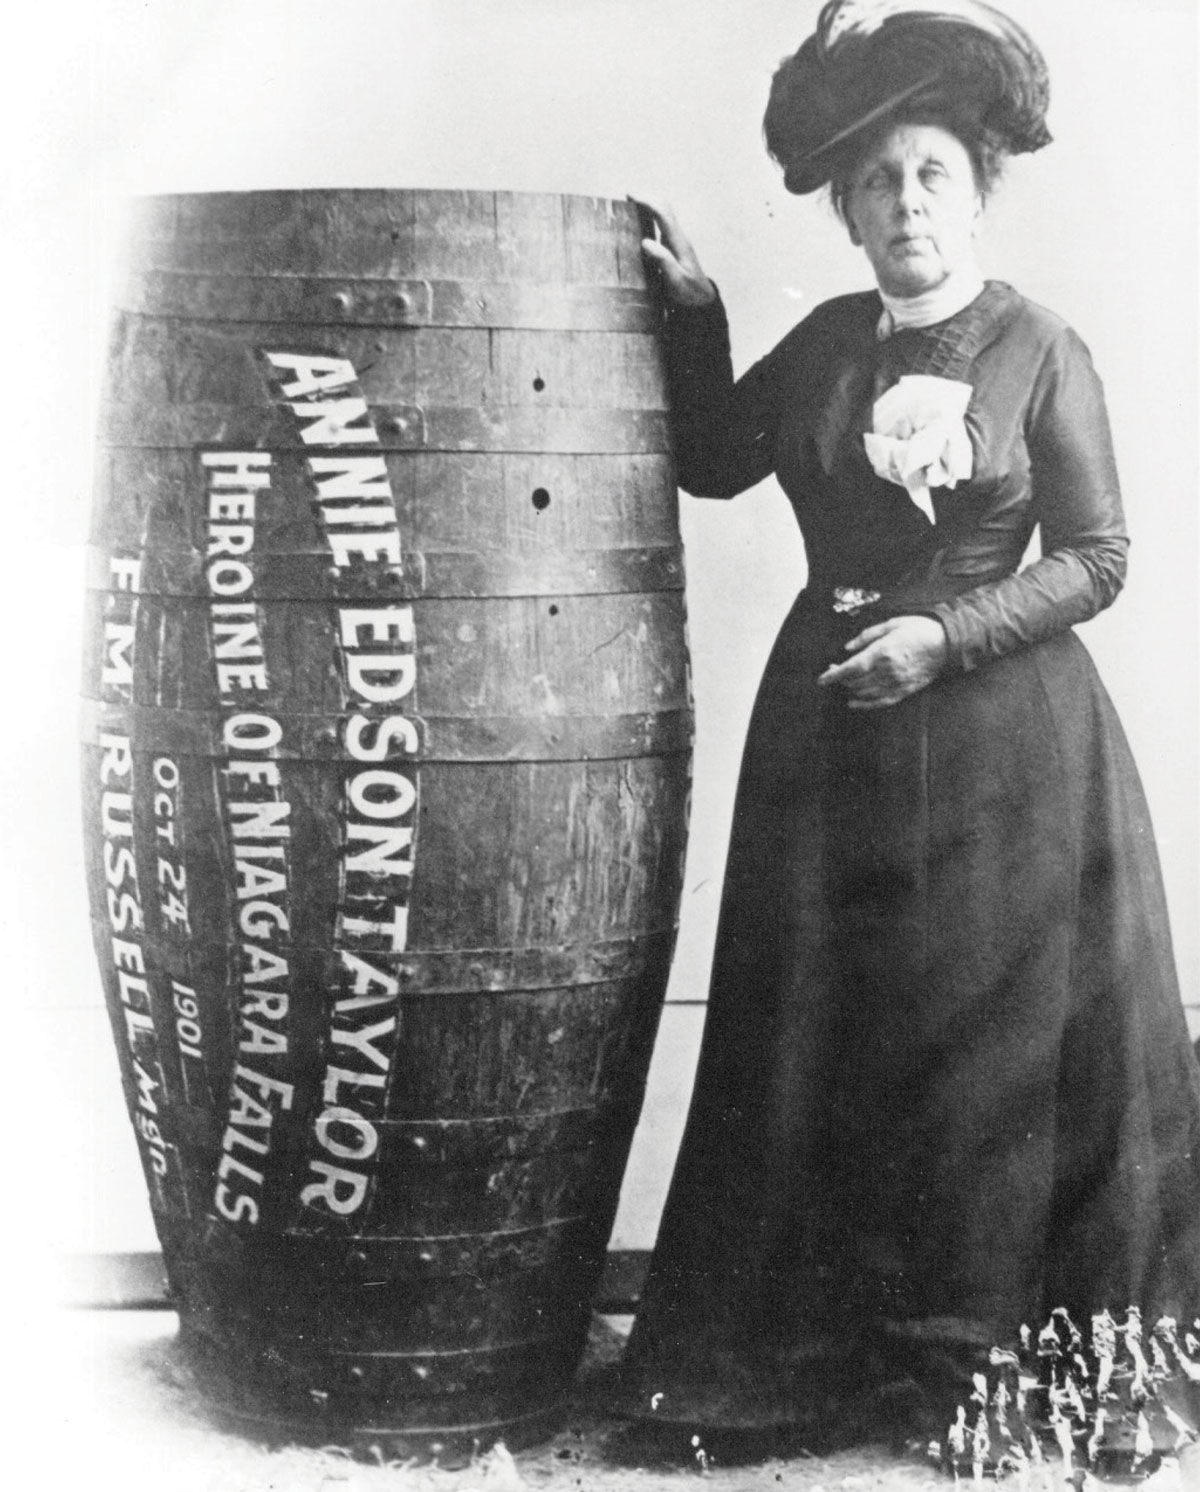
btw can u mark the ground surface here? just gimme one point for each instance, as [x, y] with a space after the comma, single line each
[108, 1402]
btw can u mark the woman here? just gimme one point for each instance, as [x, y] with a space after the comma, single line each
[946, 1086]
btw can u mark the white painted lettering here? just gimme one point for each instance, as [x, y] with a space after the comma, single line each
[363, 1041]
[251, 733]
[116, 815]
[128, 955]
[262, 965]
[229, 577]
[314, 375]
[267, 1086]
[380, 794]
[249, 469]
[241, 676]
[367, 1141]
[381, 857]
[375, 749]
[233, 1137]
[118, 863]
[260, 919]
[118, 640]
[260, 820]
[240, 1209]
[395, 928]
[117, 760]
[333, 423]
[342, 1192]
[371, 548]
[366, 978]
[230, 538]
[396, 674]
[261, 1040]
[388, 624]
[126, 573]
[338, 1077]
[257, 880]
[339, 477]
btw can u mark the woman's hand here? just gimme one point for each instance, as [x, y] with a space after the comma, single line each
[890, 662]
[684, 281]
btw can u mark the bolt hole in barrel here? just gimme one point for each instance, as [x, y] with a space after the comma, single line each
[539, 383]
[554, 611]
[541, 499]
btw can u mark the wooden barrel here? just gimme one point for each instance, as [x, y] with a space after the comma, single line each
[387, 735]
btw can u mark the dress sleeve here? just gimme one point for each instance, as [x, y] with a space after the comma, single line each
[724, 431]
[1077, 503]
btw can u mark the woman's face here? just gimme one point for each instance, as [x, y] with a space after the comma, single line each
[913, 206]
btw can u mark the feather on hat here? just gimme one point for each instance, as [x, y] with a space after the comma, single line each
[871, 60]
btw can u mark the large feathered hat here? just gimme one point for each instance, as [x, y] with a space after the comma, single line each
[873, 60]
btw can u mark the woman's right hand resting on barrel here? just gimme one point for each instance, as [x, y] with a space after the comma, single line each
[684, 282]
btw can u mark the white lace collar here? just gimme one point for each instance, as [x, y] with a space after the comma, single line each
[945, 300]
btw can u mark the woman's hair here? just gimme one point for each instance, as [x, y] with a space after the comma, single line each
[986, 153]
[870, 66]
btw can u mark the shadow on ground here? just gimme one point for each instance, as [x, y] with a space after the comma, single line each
[134, 1418]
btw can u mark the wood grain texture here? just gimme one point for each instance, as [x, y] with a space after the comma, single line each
[386, 763]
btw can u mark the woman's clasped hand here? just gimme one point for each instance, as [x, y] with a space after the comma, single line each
[889, 661]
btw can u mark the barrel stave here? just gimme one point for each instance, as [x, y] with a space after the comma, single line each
[381, 1379]
[194, 383]
[484, 526]
[152, 501]
[531, 656]
[394, 1426]
[507, 236]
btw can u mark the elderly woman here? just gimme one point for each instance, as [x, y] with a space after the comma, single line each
[946, 1086]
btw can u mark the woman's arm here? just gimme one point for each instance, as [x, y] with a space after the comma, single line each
[724, 431]
[1077, 502]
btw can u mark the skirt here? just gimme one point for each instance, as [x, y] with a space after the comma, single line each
[946, 1086]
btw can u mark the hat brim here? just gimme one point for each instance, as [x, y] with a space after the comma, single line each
[815, 165]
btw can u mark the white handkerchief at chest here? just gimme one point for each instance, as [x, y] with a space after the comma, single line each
[920, 438]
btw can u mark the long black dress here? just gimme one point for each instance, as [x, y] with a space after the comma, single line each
[946, 1084]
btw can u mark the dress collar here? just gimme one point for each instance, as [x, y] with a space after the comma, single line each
[948, 348]
[954, 293]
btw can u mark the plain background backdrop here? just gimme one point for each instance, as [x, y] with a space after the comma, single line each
[661, 98]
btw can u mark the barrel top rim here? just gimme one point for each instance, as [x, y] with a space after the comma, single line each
[376, 194]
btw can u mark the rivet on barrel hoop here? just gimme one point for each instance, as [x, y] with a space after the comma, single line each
[399, 424]
[341, 300]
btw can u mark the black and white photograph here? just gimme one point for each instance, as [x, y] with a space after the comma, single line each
[603, 771]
